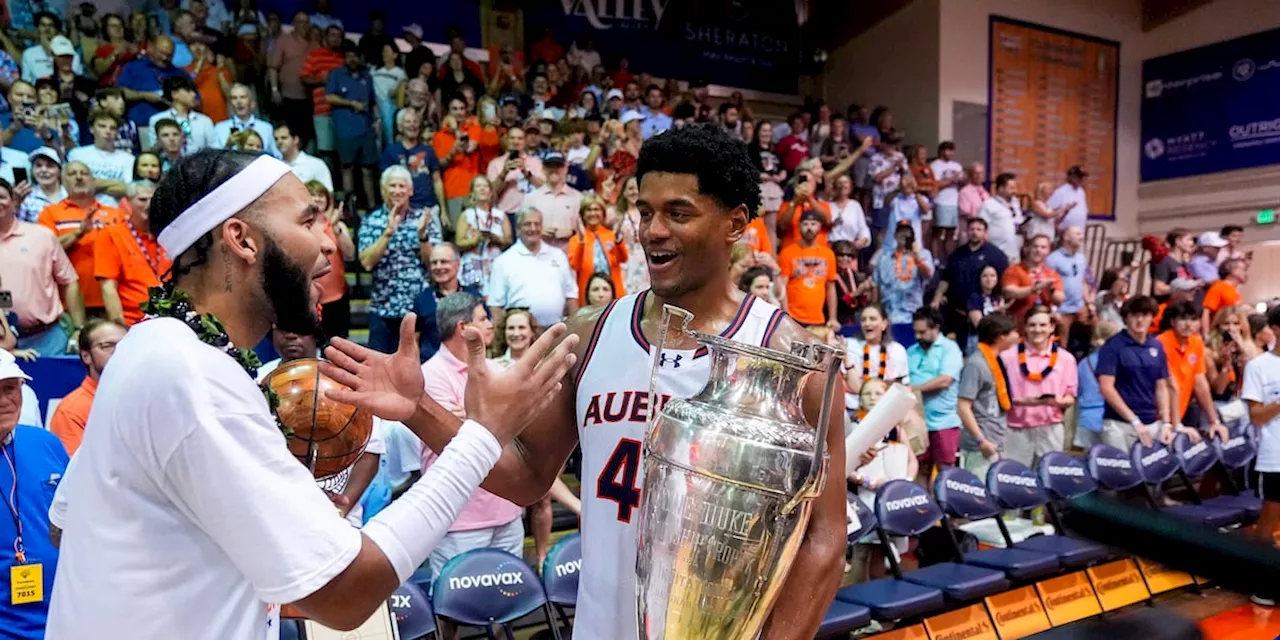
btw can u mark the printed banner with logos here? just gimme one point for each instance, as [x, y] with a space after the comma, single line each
[1052, 97]
[751, 44]
[1212, 108]
[52, 379]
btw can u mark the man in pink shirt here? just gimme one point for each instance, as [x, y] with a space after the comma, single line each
[559, 203]
[515, 173]
[487, 521]
[34, 270]
[1043, 381]
[971, 197]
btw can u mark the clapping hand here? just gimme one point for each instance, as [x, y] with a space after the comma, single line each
[390, 385]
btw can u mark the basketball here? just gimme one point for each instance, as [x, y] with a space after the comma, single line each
[327, 437]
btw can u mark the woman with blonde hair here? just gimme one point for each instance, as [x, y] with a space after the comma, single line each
[484, 231]
[335, 307]
[245, 140]
[1228, 347]
[624, 219]
[595, 249]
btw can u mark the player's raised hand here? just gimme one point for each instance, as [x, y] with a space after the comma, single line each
[505, 402]
[388, 385]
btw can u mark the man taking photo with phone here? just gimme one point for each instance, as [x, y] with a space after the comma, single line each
[459, 152]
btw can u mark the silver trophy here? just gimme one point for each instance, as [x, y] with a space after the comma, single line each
[730, 475]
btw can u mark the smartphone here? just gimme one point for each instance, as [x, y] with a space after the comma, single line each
[6, 299]
[464, 137]
[61, 111]
[19, 175]
[514, 155]
[1046, 396]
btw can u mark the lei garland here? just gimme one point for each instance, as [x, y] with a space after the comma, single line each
[170, 302]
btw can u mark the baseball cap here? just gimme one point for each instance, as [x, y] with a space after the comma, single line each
[509, 98]
[47, 153]
[631, 116]
[1212, 239]
[553, 158]
[414, 30]
[811, 215]
[9, 367]
[1077, 170]
[613, 93]
[1184, 284]
[61, 46]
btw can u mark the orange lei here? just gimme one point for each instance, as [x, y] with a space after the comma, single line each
[997, 372]
[1039, 375]
[866, 361]
[904, 266]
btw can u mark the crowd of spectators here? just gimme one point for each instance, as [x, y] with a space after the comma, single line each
[501, 194]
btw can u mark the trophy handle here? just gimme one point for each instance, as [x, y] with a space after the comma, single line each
[812, 486]
[656, 357]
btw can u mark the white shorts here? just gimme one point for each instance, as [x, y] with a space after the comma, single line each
[507, 537]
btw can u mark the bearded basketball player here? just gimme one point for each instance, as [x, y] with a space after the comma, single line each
[698, 191]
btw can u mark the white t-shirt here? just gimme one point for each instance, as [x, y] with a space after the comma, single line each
[308, 167]
[1003, 219]
[385, 81]
[104, 165]
[185, 510]
[1262, 385]
[538, 282]
[895, 366]
[943, 170]
[1079, 215]
[848, 223]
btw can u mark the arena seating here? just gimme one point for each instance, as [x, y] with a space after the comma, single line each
[489, 587]
[962, 495]
[1062, 477]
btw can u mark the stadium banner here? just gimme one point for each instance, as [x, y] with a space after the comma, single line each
[1212, 108]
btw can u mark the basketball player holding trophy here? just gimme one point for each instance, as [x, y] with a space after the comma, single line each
[187, 515]
[744, 531]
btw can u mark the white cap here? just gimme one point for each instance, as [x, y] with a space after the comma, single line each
[631, 116]
[1212, 239]
[9, 367]
[46, 153]
[61, 46]
[414, 30]
[613, 93]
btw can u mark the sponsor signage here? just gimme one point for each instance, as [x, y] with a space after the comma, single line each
[914, 632]
[1119, 584]
[1018, 613]
[1068, 598]
[1211, 108]
[1161, 578]
[969, 623]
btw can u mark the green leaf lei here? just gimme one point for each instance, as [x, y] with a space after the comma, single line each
[170, 302]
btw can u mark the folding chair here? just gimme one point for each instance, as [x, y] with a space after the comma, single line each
[1234, 457]
[904, 508]
[486, 587]
[1062, 477]
[412, 609]
[842, 617]
[560, 573]
[1158, 463]
[962, 495]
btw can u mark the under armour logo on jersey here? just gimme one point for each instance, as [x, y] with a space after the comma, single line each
[668, 360]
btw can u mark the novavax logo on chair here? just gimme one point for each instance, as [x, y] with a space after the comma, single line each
[977, 492]
[907, 502]
[499, 579]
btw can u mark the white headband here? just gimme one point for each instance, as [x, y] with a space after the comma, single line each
[219, 205]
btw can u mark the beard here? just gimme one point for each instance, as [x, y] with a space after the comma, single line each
[287, 287]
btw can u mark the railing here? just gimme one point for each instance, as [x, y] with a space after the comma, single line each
[1105, 254]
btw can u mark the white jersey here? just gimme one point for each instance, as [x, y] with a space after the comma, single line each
[612, 411]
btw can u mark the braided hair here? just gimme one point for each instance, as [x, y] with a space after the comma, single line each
[191, 179]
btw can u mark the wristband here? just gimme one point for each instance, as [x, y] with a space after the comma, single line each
[411, 526]
[1135, 423]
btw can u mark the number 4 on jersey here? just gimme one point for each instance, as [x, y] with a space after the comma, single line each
[617, 481]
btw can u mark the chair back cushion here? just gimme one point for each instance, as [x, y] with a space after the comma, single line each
[962, 495]
[1014, 486]
[1065, 476]
[904, 508]
[1111, 468]
[486, 586]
